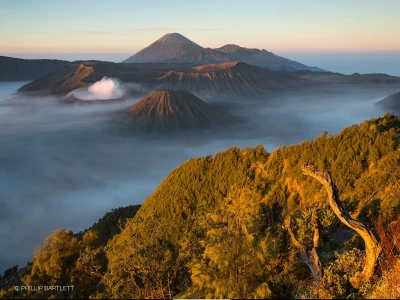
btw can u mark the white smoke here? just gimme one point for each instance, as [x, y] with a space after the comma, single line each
[105, 89]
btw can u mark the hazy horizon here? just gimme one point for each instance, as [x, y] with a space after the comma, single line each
[343, 62]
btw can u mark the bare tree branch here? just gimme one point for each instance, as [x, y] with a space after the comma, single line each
[372, 247]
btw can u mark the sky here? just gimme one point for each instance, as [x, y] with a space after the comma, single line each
[313, 32]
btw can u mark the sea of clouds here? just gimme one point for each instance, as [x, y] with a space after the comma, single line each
[62, 166]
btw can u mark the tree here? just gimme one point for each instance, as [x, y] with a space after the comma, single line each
[372, 247]
[90, 266]
[231, 265]
[65, 261]
[141, 264]
[54, 262]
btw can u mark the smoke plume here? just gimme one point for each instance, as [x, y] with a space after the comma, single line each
[105, 89]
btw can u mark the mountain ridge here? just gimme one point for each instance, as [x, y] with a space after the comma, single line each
[18, 69]
[174, 47]
[231, 80]
[355, 78]
[227, 80]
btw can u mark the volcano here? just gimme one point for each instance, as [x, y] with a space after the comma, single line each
[168, 48]
[175, 110]
[175, 48]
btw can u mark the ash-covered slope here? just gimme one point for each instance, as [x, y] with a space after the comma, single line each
[232, 80]
[175, 110]
[174, 47]
[17, 69]
[61, 82]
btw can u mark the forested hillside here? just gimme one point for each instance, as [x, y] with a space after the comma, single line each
[218, 227]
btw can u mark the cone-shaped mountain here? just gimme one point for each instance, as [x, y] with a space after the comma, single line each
[170, 110]
[168, 48]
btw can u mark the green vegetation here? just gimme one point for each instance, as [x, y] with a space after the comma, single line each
[215, 227]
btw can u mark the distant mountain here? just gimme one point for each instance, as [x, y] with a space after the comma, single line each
[171, 110]
[391, 103]
[17, 69]
[355, 78]
[166, 49]
[222, 81]
[263, 58]
[174, 47]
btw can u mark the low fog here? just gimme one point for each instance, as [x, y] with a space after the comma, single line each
[62, 166]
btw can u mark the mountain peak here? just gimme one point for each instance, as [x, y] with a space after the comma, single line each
[230, 48]
[167, 48]
[174, 38]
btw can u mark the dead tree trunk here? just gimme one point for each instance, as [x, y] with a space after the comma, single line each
[372, 247]
[310, 257]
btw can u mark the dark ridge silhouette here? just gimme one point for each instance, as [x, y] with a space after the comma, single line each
[391, 103]
[355, 78]
[111, 223]
[17, 69]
